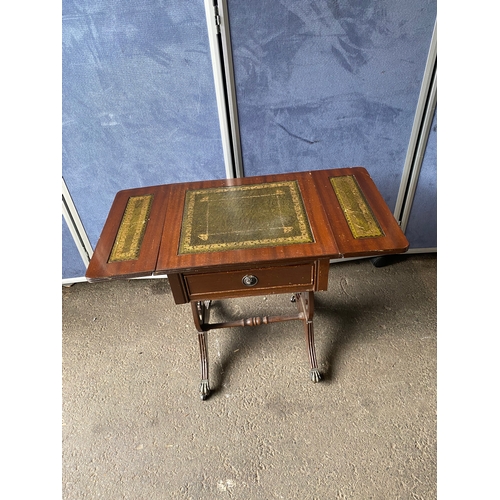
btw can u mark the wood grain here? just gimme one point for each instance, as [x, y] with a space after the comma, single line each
[159, 254]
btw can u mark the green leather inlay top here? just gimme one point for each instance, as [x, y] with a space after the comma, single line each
[127, 245]
[250, 216]
[358, 214]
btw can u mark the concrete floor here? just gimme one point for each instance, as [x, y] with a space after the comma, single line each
[135, 428]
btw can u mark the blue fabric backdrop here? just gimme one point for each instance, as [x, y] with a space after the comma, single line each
[324, 84]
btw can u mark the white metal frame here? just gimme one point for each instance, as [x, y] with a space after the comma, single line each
[225, 90]
[419, 135]
[76, 229]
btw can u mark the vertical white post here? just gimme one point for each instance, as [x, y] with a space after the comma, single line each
[227, 53]
[419, 135]
[219, 86]
[75, 226]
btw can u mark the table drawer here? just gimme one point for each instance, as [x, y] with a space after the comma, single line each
[279, 279]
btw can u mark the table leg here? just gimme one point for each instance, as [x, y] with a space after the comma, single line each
[201, 316]
[305, 304]
[204, 386]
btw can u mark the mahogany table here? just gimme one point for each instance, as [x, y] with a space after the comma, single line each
[242, 237]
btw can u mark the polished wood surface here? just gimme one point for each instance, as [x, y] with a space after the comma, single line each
[170, 261]
[99, 268]
[393, 241]
[159, 254]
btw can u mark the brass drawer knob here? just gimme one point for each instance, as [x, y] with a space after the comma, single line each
[250, 280]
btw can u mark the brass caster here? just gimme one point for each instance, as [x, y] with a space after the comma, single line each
[204, 390]
[315, 375]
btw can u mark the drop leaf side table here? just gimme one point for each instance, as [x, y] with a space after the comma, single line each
[243, 237]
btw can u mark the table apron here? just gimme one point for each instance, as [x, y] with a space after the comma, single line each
[300, 277]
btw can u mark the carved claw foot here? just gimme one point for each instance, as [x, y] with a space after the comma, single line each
[315, 375]
[204, 390]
